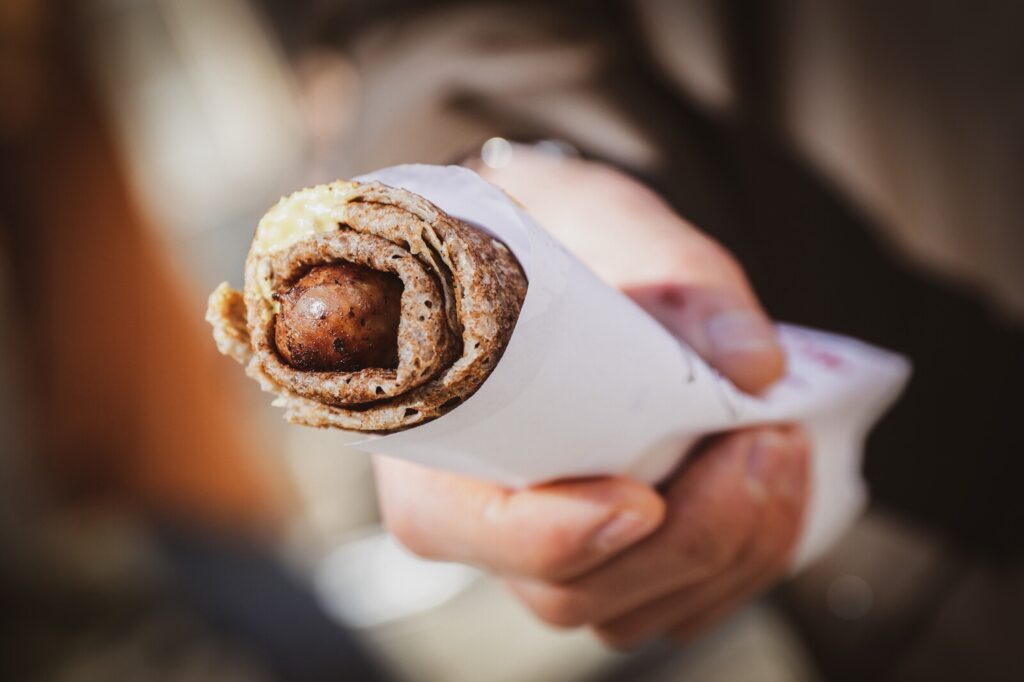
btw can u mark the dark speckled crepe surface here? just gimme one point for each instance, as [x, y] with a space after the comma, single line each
[462, 294]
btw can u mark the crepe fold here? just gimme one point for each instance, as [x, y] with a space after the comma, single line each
[462, 293]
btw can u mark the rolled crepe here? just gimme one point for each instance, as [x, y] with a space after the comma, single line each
[461, 297]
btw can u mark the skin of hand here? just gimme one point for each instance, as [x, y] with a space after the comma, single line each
[628, 560]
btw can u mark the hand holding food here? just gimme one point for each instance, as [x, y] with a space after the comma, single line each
[612, 553]
[545, 471]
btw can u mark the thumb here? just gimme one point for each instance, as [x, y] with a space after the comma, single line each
[730, 331]
[549, 532]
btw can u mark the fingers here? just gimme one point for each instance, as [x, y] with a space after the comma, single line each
[620, 228]
[551, 532]
[714, 509]
[748, 582]
[695, 608]
[724, 325]
[632, 239]
[733, 512]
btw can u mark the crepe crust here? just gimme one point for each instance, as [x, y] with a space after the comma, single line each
[461, 298]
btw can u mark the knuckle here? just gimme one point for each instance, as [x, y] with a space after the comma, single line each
[403, 523]
[553, 556]
[560, 607]
[705, 548]
[730, 266]
[633, 196]
[615, 186]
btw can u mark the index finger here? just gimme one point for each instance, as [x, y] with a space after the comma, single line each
[549, 532]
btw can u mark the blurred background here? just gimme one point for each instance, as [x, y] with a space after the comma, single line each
[160, 521]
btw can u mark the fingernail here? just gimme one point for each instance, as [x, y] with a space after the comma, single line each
[622, 530]
[775, 465]
[740, 331]
[764, 462]
[792, 478]
[761, 463]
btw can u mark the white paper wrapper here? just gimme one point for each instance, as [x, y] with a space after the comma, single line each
[590, 384]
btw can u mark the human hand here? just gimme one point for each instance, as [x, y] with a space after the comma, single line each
[613, 553]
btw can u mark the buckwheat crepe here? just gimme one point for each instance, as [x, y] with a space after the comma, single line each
[461, 297]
